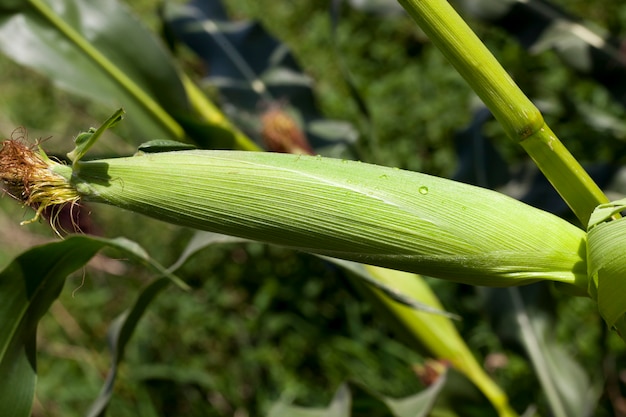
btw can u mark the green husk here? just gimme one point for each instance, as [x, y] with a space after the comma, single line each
[345, 209]
[607, 268]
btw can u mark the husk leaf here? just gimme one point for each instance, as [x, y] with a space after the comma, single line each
[345, 209]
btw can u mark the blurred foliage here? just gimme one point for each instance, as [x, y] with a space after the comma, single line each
[264, 322]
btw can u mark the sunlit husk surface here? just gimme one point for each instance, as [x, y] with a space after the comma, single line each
[607, 263]
[346, 209]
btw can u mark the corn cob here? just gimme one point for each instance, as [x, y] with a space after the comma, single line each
[345, 209]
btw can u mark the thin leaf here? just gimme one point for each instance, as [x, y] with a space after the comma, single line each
[123, 328]
[86, 140]
[388, 290]
[28, 286]
[340, 406]
[410, 305]
[434, 334]
[343, 405]
[418, 405]
[200, 241]
[139, 255]
[85, 47]
[120, 332]
[163, 145]
[523, 318]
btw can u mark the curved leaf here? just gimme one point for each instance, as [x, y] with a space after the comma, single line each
[120, 332]
[340, 406]
[344, 405]
[411, 307]
[523, 319]
[123, 328]
[388, 282]
[418, 405]
[605, 242]
[85, 140]
[434, 333]
[28, 286]
[83, 46]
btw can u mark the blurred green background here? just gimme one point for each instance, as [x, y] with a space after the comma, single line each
[264, 322]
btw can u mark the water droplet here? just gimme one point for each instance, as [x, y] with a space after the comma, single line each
[344, 161]
[396, 169]
[423, 190]
[384, 176]
[318, 156]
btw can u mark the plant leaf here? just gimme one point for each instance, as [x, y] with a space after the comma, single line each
[411, 306]
[83, 46]
[523, 318]
[123, 328]
[163, 145]
[120, 332]
[340, 406]
[344, 405]
[417, 405]
[606, 264]
[28, 286]
[362, 272]
[199, 241]
[86, 140]
[424, 331]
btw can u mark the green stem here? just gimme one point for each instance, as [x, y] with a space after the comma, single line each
[565, 173]
[521, 120]
[158, 113]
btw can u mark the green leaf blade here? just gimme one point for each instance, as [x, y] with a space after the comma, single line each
[28, 286]
[79, 45]
[607, 268]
